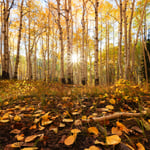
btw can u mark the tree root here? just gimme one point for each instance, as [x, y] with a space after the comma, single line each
[114, 116]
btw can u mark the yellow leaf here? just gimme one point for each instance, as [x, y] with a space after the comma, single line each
[98, 142]
[113, 140]
[17, 107]
[77, 122]
[44, 123]
[84, 117]
[61, 125]
[67, 120]
[115, 130]
[30, 138]
[75, 131]
[17, 144]
[93, 147]
[76, 112]
[15, 131]
[41, 127]
[4, 121]
[112, 101]
[140, 146]
[36, 120]
[93, 130]
[17, 118]
[33, 127]
[110, 107]
[46, 116]
[30, 148]
[20, 137]
[6, 103]
[91, 107]
[5, 116]
[122, 127]
[52, 128]
[70, 140]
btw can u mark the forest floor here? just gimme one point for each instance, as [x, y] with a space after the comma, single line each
[46, 116]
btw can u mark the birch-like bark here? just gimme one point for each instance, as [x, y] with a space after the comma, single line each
[44, 60]
[137, 36]
[83, 49]
[19, 40]
[5, 73]
[68, 43]
[29, 40]
[101, 51]
[1, 40]
[129, 38]
[96, 44]
[71, 37]
[48, 44]
[61, 43]
[125, 36]
[120, 44]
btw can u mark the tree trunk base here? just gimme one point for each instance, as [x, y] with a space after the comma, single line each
[63, 81]
[5, 75]
[96, 82]
[70, 81]
[15, 76]
[83, 82]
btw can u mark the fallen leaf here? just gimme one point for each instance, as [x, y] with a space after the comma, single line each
[30, 138]
[93, 147]
[70, 140]
[76, 112]
[140, 146]
[84, 117]
[33, 127]
[113, 140]
[44, 123]
[4, 121]
[15, 131]
[6, 103]
[67, 120]
[75, 131]
[17, 118]
[93, 130]
[77, 122]
[122, 127]
[41, 127]
[110, 107]
[45, 116]
[5, 116]
[16, 145]
[61, 125]
[20, 137]
[98, 142]
[55, 129]
[115, 130]
[37, 120]
[112, 101]
[30, 148]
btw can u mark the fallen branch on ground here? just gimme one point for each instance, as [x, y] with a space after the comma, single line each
[114, 116]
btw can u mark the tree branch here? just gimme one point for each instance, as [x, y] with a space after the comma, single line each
[114, 116]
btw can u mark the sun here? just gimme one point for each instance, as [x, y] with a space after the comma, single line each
[74, 58]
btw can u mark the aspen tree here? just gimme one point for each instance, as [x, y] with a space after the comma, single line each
[19, 40]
